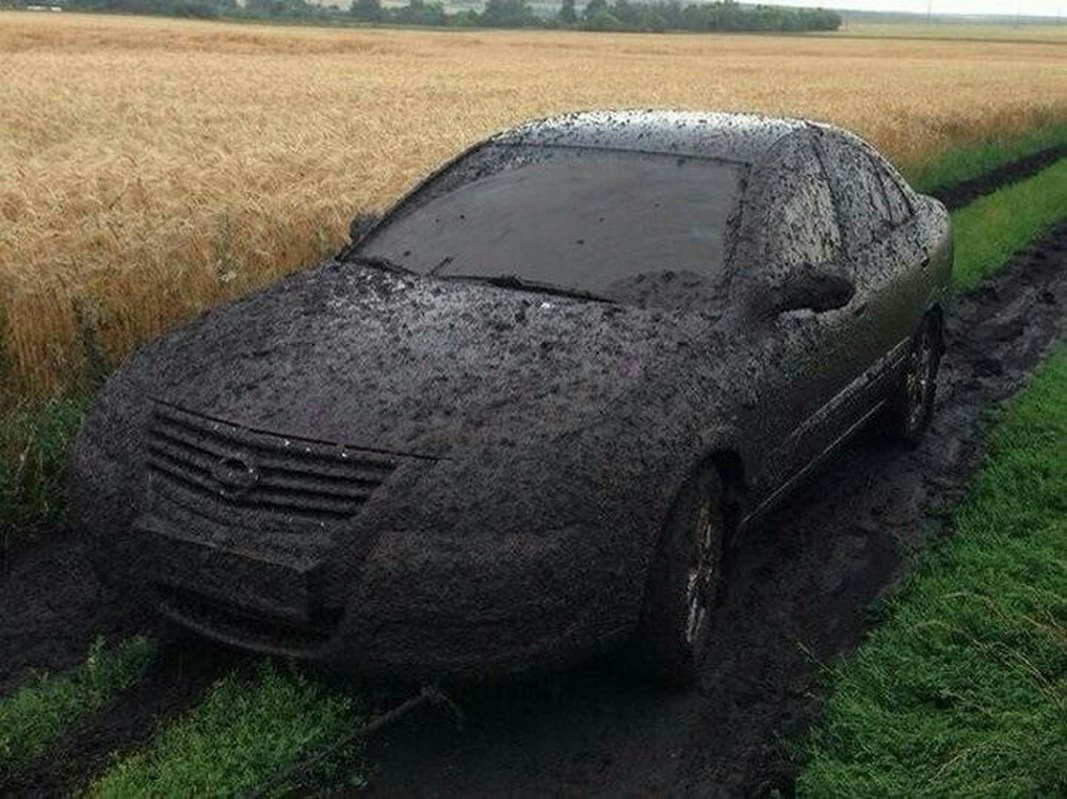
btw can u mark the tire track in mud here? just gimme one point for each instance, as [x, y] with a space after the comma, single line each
[799, 597]
[960, 194]
[182, 671]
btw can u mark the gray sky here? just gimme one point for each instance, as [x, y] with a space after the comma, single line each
[1045, 8]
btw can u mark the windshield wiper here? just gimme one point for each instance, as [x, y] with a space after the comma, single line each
[535, 286]
[379, 262]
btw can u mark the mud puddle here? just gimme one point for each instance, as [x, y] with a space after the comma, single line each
[799, 598]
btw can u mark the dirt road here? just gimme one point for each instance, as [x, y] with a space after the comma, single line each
[800, 592]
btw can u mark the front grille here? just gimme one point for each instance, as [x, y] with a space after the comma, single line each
[239, 467]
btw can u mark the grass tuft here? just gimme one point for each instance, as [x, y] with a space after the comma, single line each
[991, 229]
[236, 738]
[964, 691]
[50, 707]
[34, 441]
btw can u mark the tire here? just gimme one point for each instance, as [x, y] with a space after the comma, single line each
[911, 404]
[673, 632]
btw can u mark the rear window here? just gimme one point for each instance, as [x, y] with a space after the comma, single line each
[585, 219]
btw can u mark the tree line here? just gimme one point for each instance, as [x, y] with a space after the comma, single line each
[596, 15]
[620, 15]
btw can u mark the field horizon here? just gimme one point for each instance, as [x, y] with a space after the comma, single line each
[154, 167]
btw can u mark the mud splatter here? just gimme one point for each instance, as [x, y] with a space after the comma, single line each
[798, 598]
[380, 468]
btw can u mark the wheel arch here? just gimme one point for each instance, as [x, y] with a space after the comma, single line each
[721, 448]
[936, 310]
[724, 447]
[718, 457]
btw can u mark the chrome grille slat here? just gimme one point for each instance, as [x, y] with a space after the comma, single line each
[292, 476]
[175, 468]
[204, 428]
[340, 467]
[359, 490]
[285, 500]
[177, 489]
[354, 487]
[346, 469]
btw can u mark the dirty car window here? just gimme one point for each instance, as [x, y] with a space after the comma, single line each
[586, 219]
[800, 227]
[857, 184]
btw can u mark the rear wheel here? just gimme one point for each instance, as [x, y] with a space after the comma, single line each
[673, 632]
[912, 403]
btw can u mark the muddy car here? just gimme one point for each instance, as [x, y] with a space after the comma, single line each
[520, 419]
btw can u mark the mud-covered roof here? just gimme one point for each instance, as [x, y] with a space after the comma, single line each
[743, 138]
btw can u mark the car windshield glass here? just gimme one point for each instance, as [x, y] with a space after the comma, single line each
[592, 220]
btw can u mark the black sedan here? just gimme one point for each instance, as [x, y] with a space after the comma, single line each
[520, 418]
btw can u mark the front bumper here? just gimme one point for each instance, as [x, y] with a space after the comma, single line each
[412, 610]
[440, 574]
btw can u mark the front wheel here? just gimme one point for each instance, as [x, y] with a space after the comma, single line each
[673, 631]
[911, 404]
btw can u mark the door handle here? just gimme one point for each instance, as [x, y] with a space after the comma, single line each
[860, 309]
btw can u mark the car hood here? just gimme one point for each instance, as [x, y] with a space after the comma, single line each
[357, 355]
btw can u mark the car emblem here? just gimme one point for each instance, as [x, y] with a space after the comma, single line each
[236, 475]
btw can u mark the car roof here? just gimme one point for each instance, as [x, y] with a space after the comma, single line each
[742, 138]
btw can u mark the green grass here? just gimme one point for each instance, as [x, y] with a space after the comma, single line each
[34, 442]
[50, 707]
[963, 692]
[956, 165]
[990, 229]
[236, 738]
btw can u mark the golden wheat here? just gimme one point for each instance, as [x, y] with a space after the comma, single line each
[151, 168]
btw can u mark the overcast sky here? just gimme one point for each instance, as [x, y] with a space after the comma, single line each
[1044, 8]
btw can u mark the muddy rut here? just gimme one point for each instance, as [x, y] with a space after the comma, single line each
[801, 587]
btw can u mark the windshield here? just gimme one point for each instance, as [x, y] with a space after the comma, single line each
[596, 221]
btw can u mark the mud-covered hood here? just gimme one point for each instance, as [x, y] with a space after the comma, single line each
[355, 355]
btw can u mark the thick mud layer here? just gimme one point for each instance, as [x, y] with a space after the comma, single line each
[800, 592]
[967, 191]
[52, 607]
[800, 596]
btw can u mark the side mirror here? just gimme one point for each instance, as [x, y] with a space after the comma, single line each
[361, 225]
[810, 288]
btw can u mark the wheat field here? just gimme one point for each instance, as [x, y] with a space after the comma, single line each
[150, 168]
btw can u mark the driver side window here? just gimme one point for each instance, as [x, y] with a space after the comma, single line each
[867, 216]
[800, 225]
